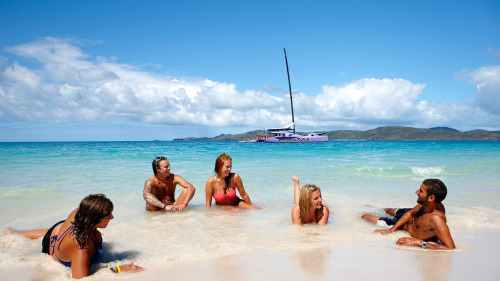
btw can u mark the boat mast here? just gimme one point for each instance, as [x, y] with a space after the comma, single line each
[290, 90]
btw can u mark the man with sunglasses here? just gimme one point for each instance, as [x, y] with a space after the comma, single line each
[159, 190]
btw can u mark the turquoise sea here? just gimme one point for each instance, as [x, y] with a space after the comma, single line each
[41, 183]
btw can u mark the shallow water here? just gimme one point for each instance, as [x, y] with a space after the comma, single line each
[41, 183]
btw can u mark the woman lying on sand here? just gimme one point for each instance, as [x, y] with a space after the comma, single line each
[222, 186]
[74, 242]
[309, 206]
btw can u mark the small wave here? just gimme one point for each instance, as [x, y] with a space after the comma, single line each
[472, 218]
[25, 191]
[427, 171]
[375, 169]
[387, 171]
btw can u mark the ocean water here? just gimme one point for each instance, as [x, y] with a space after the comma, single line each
[40, 183]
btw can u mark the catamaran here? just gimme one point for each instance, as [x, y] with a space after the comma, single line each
[288, 134]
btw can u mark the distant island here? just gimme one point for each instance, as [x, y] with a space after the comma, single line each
[380, 133]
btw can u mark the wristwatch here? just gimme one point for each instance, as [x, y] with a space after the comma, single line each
[424, 245]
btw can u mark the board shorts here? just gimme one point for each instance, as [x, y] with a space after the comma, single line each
[388, 222]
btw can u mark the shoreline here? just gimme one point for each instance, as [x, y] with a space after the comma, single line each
[363, 260]
[476, 258]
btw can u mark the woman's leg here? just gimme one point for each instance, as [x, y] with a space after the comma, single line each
[32, 234]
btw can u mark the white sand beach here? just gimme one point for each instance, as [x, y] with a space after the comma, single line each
[476, 258]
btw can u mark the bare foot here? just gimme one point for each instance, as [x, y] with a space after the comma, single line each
[9, 231]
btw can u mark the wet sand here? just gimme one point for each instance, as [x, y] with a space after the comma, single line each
[476, 258]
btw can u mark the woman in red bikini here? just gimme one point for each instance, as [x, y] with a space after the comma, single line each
[222, 186]
[75, 242]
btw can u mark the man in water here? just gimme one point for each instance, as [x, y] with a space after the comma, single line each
[426, 222]
[159, 190]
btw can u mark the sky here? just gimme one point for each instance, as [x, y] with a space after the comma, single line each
[159, 70]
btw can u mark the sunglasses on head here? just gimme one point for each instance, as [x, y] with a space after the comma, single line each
[158, 158]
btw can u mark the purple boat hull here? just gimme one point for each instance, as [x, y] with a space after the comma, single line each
[283, 137]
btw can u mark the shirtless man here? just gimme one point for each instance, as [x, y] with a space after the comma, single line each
[426, 221]
[159, 190]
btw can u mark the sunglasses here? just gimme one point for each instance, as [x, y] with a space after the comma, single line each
[159, 158]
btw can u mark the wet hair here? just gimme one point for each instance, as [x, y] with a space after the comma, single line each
[437, 188]
[219, 162]
[93, 209]
[305, 201]
[156, 161]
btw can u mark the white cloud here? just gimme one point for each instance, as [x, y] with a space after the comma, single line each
[487, 81]
[69, 85]
[369, 102]
[370, 99]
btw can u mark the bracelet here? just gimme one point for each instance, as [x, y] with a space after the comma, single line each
[165, 206]
[119, 271]
[185, 205]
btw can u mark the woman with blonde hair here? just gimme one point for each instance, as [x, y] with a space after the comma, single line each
[309, 206]
[222, 186]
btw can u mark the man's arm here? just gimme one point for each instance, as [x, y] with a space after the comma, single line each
[443, 233]
[402, 221]
[149, 197]
[189, 188]
[410, 241]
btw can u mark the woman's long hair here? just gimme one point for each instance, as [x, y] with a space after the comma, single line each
[305, 202]
[219, 162]
[92, 210]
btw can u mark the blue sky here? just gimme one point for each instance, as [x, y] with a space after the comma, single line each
[144, 70]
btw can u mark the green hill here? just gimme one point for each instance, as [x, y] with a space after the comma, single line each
[381, 133]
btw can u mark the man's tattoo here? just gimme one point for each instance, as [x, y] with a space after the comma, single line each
[149, 197]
